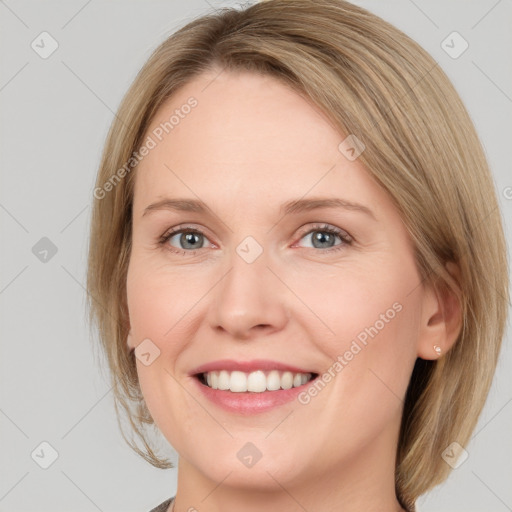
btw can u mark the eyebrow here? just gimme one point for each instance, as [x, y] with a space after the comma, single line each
[295, 206]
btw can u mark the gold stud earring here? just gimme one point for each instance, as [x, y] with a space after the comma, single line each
[437, 348]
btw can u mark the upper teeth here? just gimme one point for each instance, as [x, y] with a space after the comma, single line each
[257, 381]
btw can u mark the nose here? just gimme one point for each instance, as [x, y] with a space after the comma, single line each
[249, 301]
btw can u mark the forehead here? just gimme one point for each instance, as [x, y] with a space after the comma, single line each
[245, 138]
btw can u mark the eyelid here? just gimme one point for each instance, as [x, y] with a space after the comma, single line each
[184, 228]
[324, 226]
[346, 238]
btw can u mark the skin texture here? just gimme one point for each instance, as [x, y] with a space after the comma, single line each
[248, 146]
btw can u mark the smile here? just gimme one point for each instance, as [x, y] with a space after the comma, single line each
[257, 381]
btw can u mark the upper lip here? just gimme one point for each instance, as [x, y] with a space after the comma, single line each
[247, 366]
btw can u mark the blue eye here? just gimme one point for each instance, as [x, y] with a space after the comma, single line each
[190, 240]
[323, 237]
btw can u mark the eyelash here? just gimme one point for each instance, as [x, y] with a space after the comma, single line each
[343, 235]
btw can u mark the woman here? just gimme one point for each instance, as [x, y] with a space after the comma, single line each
[296, 260]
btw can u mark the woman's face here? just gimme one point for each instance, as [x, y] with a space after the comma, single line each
[260, 280]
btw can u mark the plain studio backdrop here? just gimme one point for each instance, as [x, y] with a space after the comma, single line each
[60, 445]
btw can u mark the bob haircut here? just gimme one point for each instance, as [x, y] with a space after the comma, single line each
[372, 81]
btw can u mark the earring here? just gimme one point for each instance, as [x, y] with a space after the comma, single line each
[437, 348]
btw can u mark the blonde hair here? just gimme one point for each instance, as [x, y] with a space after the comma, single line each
[374, 82]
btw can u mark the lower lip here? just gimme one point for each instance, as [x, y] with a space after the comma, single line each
[249, 402]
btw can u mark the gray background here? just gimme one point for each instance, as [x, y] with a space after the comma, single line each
[55, 116]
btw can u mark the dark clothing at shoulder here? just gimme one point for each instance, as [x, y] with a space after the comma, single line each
[163, 506]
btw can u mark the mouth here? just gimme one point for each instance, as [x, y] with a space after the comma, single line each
[258, 381]
[251, 387]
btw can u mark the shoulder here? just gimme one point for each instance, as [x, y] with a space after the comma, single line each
[163, 506]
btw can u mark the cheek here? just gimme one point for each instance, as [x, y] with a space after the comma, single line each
[378, 375]
[158, 312]
[162, 305]
[150, 311]
[352, 301]
[158, 301]
[369, 327]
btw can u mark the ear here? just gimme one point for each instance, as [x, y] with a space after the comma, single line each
[441, 320]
